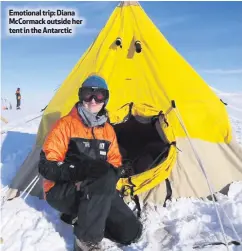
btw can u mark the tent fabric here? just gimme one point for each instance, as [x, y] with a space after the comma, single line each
[187, 180]
[26, 173]
[151, 80]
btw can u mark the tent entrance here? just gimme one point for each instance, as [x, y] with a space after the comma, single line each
[140, 144]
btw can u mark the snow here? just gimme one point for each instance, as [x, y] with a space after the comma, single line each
[32, 225]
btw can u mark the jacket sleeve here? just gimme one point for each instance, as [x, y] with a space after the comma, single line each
[114, 157]
[51, 165]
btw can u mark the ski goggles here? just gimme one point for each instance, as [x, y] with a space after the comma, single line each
[88, 93]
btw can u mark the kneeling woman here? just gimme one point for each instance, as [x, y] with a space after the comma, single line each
[81, 163]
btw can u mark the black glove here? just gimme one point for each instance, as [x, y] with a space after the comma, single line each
[76, 168]
[96, 168]
[86, 167]
[126, 170]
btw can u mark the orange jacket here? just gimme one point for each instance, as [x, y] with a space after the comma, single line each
[69, 131]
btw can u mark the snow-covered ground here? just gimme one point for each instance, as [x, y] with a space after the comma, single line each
[32, 225]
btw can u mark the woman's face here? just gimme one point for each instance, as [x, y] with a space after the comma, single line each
[93, 106]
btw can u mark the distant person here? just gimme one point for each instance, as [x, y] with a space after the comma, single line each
[18, 98]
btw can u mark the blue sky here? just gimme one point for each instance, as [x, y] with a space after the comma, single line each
[207, 34]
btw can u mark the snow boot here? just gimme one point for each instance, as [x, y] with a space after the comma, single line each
[86, 246]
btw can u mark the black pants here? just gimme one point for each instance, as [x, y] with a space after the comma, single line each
[101, 211]
[18, 103]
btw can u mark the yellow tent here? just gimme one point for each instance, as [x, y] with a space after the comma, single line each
[153, 90]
